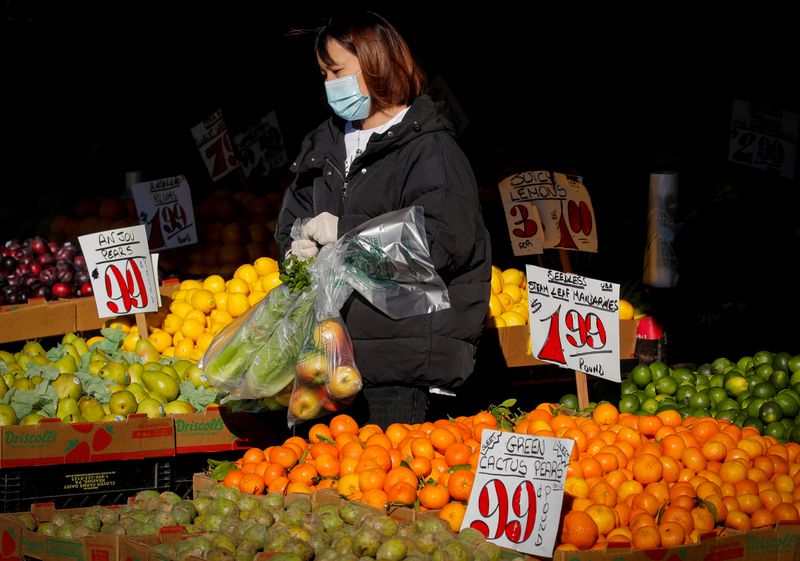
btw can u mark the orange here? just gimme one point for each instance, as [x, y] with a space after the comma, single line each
[459, 485]
[420, 466]
[671, 469]
[327, 465]
[371, 479]
[739, 521]
[441, 438]
[605, 414]
[579, 529]
[453, 514]
[342, 423]
[649, 424]
[434, 496]
[576, 487]
[303, 473]
[352, 449]
[283, 456]
[733, 472]
[603, 493]
[646, 502]
[299, 487]
[379, 455]
[400, 474]
[680, 515]
[703, 519]
[705, 429]
[604, 517]
[319, 448]
[457, 454]
[629, 488]
[252, 483]
[693, 459]
[348, 484]
[714, 450]
[670, 418]
[640, 519]
[376, 498]
[762, 518]
[646, 537]
[672, 534]
[402, 493]
[647, 469]
[608, 461]
[233, 478]
[786, 511]
[278, 485]
[347, 466]
[319, 432]
[272, 472]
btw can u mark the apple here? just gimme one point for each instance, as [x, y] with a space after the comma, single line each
[305, 403]
[344, 382]
[313, 368]
[329, 334]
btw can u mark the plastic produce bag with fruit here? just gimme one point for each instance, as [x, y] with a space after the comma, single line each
[388, 262]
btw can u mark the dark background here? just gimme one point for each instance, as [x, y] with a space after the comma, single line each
[92, 90]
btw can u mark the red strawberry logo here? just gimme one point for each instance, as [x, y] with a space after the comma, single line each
[85, 428]
[102, 438]
[9, 546]
[77, 452]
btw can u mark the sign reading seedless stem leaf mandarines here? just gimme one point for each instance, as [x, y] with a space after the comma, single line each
[574, 321]
[121, 270]
[518, 490]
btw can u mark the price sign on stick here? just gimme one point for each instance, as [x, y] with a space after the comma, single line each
[518, 489]
[764, 137]
[565, 217]
[574, 321]
[214, 143]
[260, 147]
[165, 208]
[121, 270]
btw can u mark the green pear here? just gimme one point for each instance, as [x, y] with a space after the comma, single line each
[152, 366]
[7, 415]
[31, 419]
[36, 380]
[161, 384]
[90, 408]
[147, 351]
[24, 384]
[68, 338]
[196, 376]
[151, 407]
[3, 387]
[111, 417]
[122, 403]
[7, 357]
[80, 345]
[181, 366]
[66, 364]
[70, 349]
[178, 407]
[95, 366]
[41, 360]
[33, 348]
[68, 385]
[9, 379]
[166, 369]
[67, 408]
[116, 388]
[138, 391]
[116, 372]
[135, 372]
[26, 361]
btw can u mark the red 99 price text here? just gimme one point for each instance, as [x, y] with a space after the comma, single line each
[125, 287]
[512, 515]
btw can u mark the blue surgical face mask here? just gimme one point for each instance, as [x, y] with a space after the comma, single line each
[346, 99]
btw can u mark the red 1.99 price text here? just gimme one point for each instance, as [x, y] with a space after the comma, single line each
[125, 288]
[583, 331]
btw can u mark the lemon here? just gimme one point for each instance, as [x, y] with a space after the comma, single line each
[188, 284]
[184, 348]
[513, 318]
[505, 300]
[237, 304]
[514, 292]
[497, 321]
[265, 265]
[523, 284]
[625, 310]
[214, 284]
[522, 309]
[221, 298]
[497, 281]
[495, 306]
[160, 339]
[203, 300]
[169, 351]
[196, 354]
[204, 341]
[178, 296]
[220, 316]
[247, 273]
[129, 343]
[172, 324]
[270, 281]
[180, 309]
[512, 276]
[238, 286]
[192, 329]
[195, 315]
[218, 326]
[177, 338]
[254, 297]
[124, 327]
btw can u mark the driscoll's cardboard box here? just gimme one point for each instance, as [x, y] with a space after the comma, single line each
[53, 442]
[218, 429]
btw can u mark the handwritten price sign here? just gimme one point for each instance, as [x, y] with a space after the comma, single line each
[518, 489]
[214, 143]
[764, 137]
[574, 321]
[121, 270]
[260, 147]
[165, 208]
[548, 210]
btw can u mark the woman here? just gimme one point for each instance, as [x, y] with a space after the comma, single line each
[389, 147]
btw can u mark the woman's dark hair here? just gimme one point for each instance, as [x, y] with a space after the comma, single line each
[391, 74]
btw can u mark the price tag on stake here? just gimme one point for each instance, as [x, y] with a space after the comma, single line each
[165, 207]
[574, 322]
[214, 143]
[121, 270]
[518, 490]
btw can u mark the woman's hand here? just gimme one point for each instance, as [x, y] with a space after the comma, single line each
[304, 249]
[323, 228]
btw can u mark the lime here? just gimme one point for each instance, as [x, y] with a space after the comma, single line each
[770, 411]
[667, 385]
[684, 375]
[795, 435]
[717, 381]
[650, 406]
[790, 392]
[570, 401]
[705, 369]
[755, 423]
[754, 407]
[721, 365]
[753, 381]
[744, 363]
[732, 373]
[628, 404]
[641, 375]
[779, 379]
[683, 394]
[642, 396]
[701, 384]
[700, 412]
[764, 370]
[685, 411]
[736, 385]
[789, 406]
[762, 357]
[796, 387]
[659, 370]
[717, 395]
[789, 425]
[775, 429]
[747, 401]
[666, 407]
[700, 400]
[739, 419]
[728, 404]
[742, 397]
[781, 361]
[794, 364]
[627, 387]
[795, 379]
[764, 390]
[651, 390]
[727, 415]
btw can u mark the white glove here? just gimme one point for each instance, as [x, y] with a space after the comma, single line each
[304, 249]
[323, 228]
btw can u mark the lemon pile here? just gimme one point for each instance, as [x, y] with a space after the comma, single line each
[508, 304]
[202, 308]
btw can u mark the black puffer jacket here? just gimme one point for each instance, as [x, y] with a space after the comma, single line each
[415, 162]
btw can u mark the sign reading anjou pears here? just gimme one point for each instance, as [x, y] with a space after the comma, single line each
[121, 270]
[165, 208]
[519, 486]
[574, 321]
